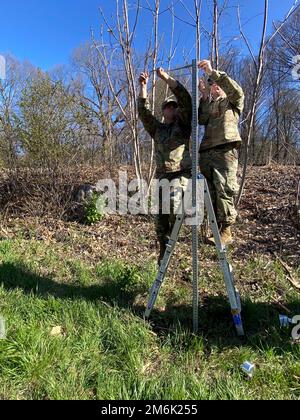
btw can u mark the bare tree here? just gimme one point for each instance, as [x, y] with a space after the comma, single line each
[215, 37]
[10, 90]
[123, 34]
[97, 101]
[259, 63]
[154, 53]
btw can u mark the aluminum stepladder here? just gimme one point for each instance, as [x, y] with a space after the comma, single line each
[233, 295]
[226, 268]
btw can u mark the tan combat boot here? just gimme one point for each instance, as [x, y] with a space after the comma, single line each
[226, 235]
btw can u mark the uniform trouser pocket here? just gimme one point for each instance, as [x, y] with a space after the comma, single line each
[170, 204]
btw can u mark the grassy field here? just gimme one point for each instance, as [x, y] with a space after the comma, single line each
[105, 350]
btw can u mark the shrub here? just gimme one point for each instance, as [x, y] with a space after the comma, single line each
[94, 209]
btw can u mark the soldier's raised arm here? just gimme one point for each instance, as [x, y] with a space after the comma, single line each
[184, 100]
[232, 89]
[149, 121]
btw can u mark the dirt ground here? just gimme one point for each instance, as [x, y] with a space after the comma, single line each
[267, 225]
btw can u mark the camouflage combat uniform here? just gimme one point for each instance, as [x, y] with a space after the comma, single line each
[219, 148]
[172, 154]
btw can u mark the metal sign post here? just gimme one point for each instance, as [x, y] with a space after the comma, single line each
[195, 132]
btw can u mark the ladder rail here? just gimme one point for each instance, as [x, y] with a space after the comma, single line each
[154, 291]
[224, 264]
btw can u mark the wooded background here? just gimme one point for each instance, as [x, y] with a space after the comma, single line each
[86, 113]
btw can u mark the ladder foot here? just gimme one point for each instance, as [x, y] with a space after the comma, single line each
[237, 320]
[240, 331]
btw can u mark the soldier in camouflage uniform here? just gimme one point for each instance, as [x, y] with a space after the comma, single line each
[220, 108]
[171, 140]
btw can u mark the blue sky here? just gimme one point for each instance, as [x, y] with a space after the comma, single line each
[46, 32]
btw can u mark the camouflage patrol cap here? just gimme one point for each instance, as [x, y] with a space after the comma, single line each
[170, 100]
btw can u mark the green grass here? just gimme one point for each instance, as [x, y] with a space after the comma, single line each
[107, 350]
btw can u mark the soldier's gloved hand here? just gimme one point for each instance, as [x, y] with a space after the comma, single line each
[162, 74]
[144, 78]
[206, 66]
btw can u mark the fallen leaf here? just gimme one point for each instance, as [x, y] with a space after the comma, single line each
[56, 332]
